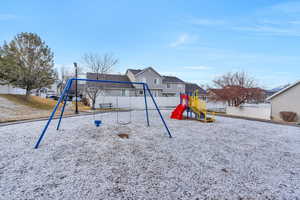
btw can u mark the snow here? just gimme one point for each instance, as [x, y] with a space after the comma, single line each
[229, 159]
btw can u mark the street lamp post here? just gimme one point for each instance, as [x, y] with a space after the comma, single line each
[76, 86]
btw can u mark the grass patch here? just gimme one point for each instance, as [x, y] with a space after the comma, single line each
[81, 106]
[31, 101]
[39, 102]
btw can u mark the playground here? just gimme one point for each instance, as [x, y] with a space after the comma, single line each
[230, 158]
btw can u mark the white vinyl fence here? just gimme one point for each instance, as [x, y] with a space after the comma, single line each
[162, 102]
[260, 111]
[138, 102]
[8, 89]
[216, 106]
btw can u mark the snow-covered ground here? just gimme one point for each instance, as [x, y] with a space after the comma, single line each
[229, 159]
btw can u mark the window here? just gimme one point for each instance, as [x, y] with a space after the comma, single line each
[168, 85]
[156, 81]
[123, 92]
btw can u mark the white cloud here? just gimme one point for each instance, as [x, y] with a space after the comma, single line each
[181, 40]
[197, 67]
[282, 19]
[4, 17]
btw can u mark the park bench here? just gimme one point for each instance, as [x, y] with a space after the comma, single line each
[105, 105]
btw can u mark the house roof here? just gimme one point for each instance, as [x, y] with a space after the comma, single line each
[191, 87]
[283, 90]
[135, 71]
[172, 79]
[140, 71]
[112, 77]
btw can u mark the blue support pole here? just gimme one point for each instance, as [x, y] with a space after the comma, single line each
[52, 114]
[61, 114]
[187, 104]
[158, 110]
[63, 108]
[146, 105]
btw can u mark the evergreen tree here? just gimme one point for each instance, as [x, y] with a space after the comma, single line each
[27, 62]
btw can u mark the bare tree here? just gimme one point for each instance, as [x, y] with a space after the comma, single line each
[100, 65]
[236, 88]
[241, 79]
[63, 77]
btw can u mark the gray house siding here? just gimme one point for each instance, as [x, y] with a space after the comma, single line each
[173, 89]
[149, 76]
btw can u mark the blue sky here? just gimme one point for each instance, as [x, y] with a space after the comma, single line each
[195, 40]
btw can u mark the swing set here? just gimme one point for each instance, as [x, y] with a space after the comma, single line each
[64, 98]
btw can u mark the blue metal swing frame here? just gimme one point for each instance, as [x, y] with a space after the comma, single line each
[64, 96]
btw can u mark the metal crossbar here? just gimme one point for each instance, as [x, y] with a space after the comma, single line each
[65, 92]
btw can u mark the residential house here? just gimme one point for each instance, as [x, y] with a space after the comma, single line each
[112, 89]
[149, 76]
[52, 90]
[172, 86]
[269, 93]
[158, 84]
[287, 99]
[192, 87]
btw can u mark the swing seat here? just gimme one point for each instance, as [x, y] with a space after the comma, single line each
[98, 123]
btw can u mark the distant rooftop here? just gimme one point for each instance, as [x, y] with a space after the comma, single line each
[112, 77]
[135, 71]
[192, 87]
[172, 79]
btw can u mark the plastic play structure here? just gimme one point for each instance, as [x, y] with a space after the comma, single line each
[192, 105]
[64, 96]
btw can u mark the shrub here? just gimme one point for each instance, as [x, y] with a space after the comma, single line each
[288, 116]
[85, 101]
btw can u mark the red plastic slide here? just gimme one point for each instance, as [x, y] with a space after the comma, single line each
[178, 112]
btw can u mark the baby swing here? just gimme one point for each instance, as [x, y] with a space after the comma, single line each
[96, 121]
[119, 121]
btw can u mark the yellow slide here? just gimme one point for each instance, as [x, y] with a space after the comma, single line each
[199, 108]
